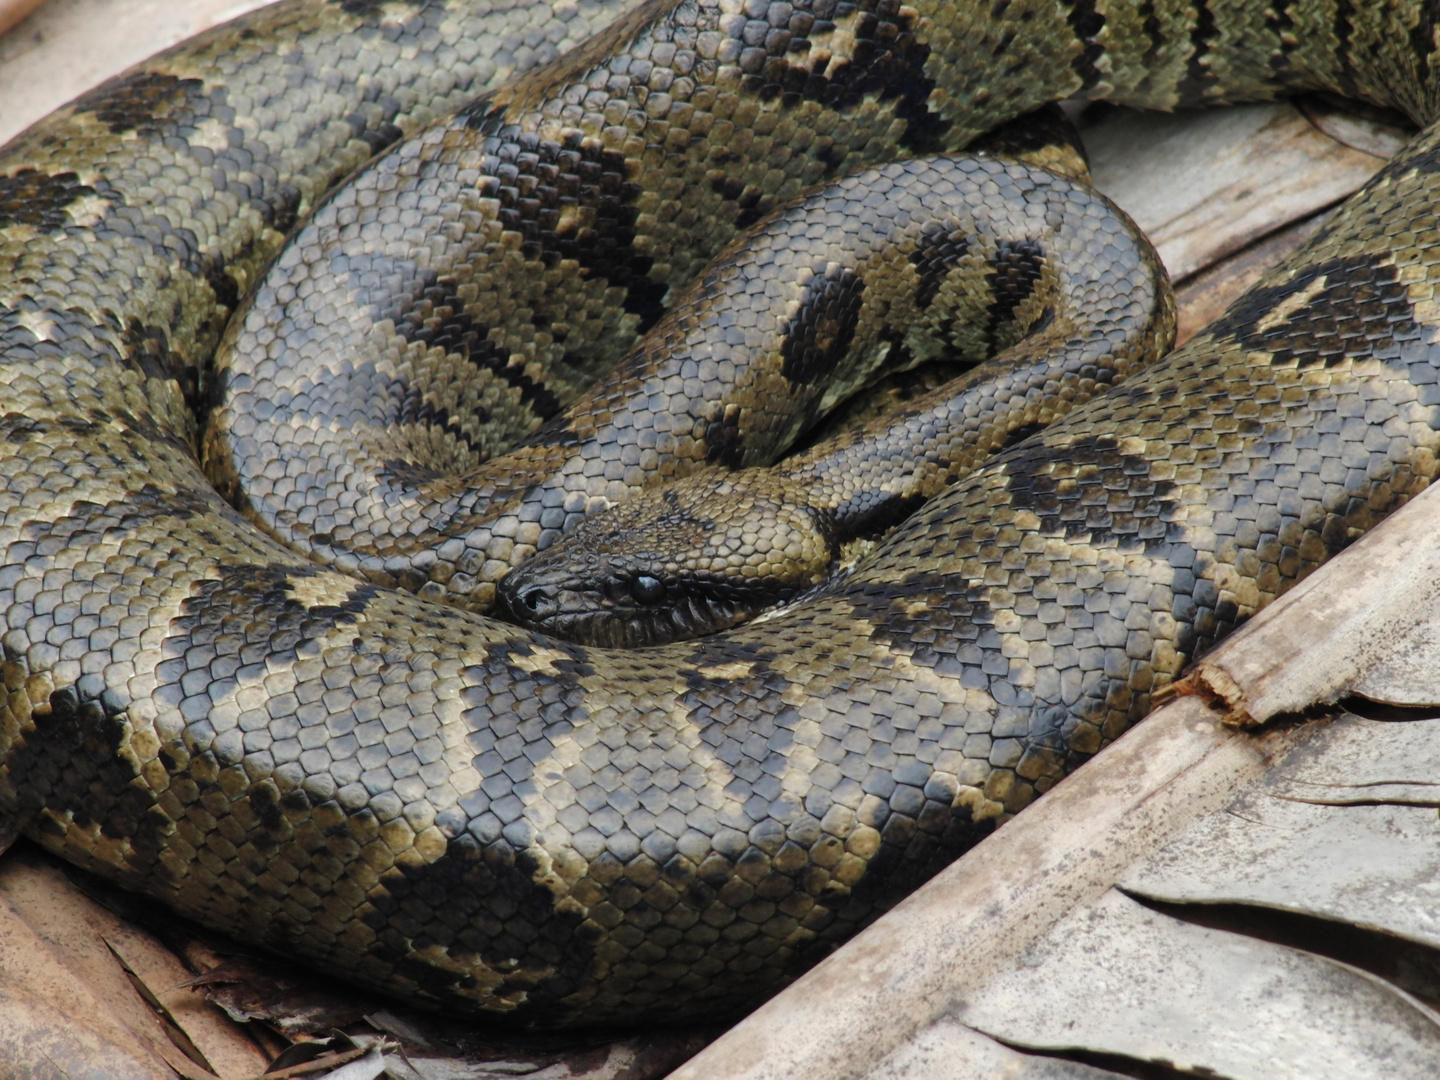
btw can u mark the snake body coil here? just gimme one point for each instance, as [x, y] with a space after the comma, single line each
[480, 818]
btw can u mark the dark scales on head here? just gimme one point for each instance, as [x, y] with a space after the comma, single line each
[674, 563]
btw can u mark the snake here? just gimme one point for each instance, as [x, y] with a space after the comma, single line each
[321, 757]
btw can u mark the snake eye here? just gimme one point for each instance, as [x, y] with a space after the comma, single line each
[647, 590]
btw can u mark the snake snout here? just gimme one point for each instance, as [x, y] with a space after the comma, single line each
[530, 600]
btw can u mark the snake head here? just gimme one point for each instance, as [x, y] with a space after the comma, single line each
[676, 562]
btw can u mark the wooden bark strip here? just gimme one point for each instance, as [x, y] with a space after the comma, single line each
[38, 1040]
[1315, 643]
[1118, 978]
[1344, 829]
[975, 917]
[1383, 134]
[213, 1035]
[948, 1050]
[1223, 180]
[1410, 674]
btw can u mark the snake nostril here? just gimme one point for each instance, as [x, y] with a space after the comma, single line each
[526, 603]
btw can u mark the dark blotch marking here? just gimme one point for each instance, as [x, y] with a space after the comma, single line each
[869, 514]
[1422, 42]
[479, 902]
[1360, 310]
[932, 620]
[71, 762]
[147, 349]
[887, 62]
[1344, 30]
[406, 473]
[19, 430]
[1074, 491]
[1089, 491]
[820, 334]
[533, 178]
[369, 9]
[1155, 32]
[719, 704]
[245, 616]
[936, 253]
[928, 617]
[1021, 432]
[282, 208]
[266, 803]
[1198, 76]
[451, 327]
[150, 504]
[1046, 127]
[479, 899]
[1087, 24]
[227, 293]
[1283, 27]
[33, 198]
[740, 711]
[1015, 269]
[142, 102]
[724, 441]
[414, 409]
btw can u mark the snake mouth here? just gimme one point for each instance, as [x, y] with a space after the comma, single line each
[630, 610]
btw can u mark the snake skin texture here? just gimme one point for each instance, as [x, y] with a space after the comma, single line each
[481, 818]
[888, 267]
[1013, 261]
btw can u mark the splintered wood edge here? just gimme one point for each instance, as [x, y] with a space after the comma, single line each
[1310, 647]
[977, 915]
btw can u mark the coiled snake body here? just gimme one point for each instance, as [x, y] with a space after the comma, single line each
[480, 818]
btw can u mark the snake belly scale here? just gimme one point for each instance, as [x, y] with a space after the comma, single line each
[484, 819]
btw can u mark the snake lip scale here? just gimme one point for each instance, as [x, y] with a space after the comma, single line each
[482, 819]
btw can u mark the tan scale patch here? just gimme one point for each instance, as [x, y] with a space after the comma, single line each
[321, 590]
[541, 661]
[1287, 307]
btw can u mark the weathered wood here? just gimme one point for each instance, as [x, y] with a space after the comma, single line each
[1117, 978]
[1344, 829]
[74, 976]
[12, 11]
[948, 1050]
[1222, 180]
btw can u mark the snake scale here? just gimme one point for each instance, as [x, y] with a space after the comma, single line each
[479, 818]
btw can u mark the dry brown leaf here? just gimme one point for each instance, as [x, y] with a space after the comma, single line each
[12, 11]
[76, 980]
